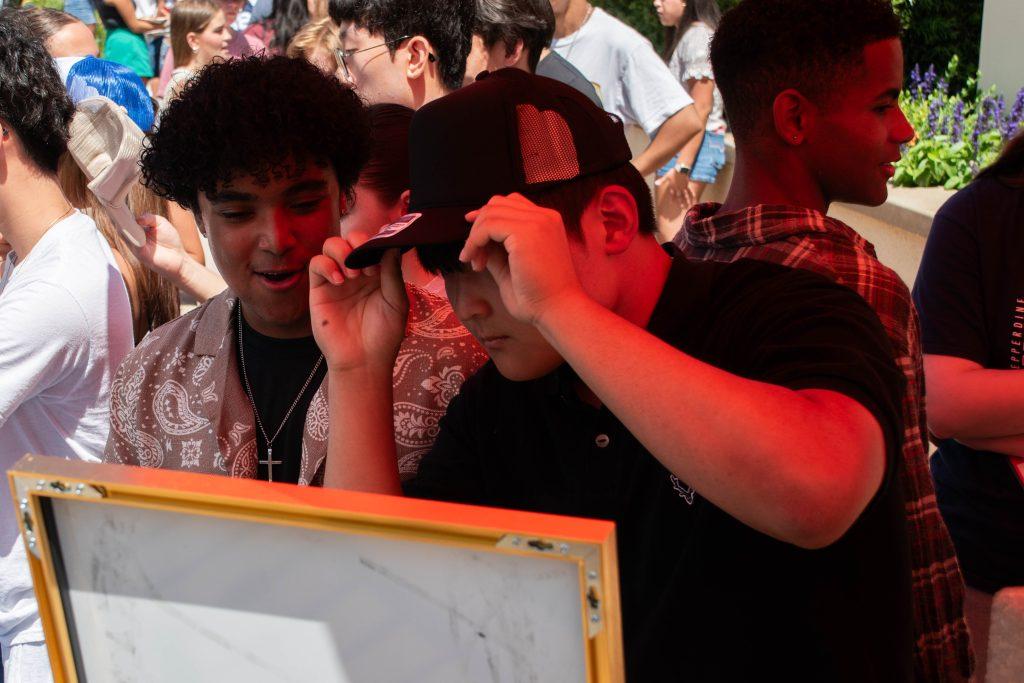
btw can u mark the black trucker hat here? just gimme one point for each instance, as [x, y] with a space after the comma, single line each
[510, 131]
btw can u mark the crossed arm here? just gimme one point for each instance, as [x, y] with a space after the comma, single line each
[981, 408]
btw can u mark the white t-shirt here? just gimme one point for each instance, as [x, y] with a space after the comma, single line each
[692, 59]
[65, 326]
[632, 81]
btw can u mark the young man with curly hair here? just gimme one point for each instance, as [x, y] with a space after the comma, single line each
[811, 90]
[406, 52]
[65, 320]
[739, 422]
[237, 387]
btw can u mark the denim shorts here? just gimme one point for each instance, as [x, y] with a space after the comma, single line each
[710, 159]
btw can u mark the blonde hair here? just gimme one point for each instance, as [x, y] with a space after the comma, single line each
[189, 16]
[154, 300]
[316, 35]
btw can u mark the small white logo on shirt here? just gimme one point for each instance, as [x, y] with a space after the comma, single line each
[684, 490]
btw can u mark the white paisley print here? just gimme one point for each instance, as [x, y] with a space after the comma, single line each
[177, 401]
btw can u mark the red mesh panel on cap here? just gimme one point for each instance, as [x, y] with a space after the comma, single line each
[546, 144]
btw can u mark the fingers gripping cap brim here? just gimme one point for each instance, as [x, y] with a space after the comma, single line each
[431, 226]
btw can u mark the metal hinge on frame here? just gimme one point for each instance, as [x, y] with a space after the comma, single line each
[75, 489]
[589, 553]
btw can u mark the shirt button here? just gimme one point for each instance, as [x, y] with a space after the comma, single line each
[602, 441]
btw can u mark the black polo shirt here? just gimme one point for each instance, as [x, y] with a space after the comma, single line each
[704, 597]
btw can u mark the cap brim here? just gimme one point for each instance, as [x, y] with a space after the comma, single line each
[439, 225]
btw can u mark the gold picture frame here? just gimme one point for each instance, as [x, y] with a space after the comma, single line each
[40, 485]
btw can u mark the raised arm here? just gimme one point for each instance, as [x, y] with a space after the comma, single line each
[358, 320]
[798, 465]
[164, 254]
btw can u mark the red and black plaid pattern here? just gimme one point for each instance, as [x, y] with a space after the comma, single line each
[801, 238]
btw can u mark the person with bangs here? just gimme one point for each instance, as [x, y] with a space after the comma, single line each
[406, 52]
[739, 423]
[243, 377]
[239, 379]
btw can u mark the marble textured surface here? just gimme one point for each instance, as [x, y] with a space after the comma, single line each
[163, 596]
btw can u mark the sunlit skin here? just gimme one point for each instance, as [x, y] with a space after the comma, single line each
[859, 132]
[73, 40]
[669, 12]
[497, 57]
[231, 8]
[407, 77]
[368, 214]
[843, 148]
[211, 43]
[262, 237]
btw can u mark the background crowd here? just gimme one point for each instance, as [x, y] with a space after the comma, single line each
[233, 98]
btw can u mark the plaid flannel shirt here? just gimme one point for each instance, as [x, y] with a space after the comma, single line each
[802, 238]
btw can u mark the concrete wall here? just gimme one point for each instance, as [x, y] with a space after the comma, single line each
[897, 229]
[1002, 46]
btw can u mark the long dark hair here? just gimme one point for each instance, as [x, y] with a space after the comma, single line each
[1010, 164]
[705, 11]
[387, 170]
[287, 18]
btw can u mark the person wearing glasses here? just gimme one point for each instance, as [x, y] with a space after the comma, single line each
[404, 52]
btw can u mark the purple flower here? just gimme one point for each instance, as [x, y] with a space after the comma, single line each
[928, 81]
[1017, 112]
[985, 111]
[942, 86]
[957, 123]
[915, 78]
[933, 116]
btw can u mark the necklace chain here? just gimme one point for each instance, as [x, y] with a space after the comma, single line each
[576, 33]
[270, 462]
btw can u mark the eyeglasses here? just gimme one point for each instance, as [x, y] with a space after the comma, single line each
[344, 55]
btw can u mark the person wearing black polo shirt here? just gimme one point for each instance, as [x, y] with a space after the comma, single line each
[739, 422]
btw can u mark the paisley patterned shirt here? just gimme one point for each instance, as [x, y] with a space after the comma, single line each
[177, 401]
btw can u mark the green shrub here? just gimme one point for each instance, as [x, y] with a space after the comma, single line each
[934, 30]
[959, 131]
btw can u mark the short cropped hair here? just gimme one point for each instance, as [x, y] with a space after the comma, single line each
[570, 200]
[763, 47]
[45, 22]
[281, 112]
[33, 100]
[447, 24]
[509, 21]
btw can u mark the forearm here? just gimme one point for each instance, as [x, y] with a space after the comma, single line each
[975, 403]
[198, 281]
[688, 154]
[361, 441]
[669, 139]
[783, 462]
[185, 225]
[1007, 445]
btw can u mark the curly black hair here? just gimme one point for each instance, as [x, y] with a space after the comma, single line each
[255, 117]
[447, 24]
[33, 101]
[763, 47]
